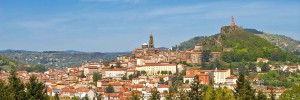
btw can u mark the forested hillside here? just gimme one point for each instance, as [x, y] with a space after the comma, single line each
[284, 42]
[245, 45]
[6, 63]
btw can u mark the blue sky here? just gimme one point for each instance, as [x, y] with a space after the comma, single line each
[122, 25]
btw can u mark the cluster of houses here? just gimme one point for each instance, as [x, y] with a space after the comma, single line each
[145, 69]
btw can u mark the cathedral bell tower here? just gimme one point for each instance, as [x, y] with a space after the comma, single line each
[151, 41]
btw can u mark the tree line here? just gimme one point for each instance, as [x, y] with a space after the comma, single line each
[15, 89]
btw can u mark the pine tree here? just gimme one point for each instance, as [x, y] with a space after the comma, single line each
[182, 95]
[16, 86]
[35, 89]
[244, 91]
[154, 94]
[195, 93]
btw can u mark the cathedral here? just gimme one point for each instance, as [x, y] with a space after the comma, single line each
[146, 49]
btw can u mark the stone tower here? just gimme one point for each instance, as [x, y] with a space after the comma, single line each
[232, 21]
[151, 41]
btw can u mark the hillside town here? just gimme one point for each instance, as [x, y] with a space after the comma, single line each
[146, 68]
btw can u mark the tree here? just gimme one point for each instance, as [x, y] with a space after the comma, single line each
[252, 67]
[4, 91]
[82, 75]
[244, 91]
[206, 55]
[272, 94]
[182, 95]
[134, 96]
[112, 67]
[96, 76]
[170, 94]
[99, 96]
[75, 98]
[35, 89]
[56, 97]
[170, 72]
[130, 77]
[106, 63]
[124, 77]
[265, 67]
[195, 92]
[292, 94]
[143, 72]
[187, 81]
[109, 89]
[86, 97]
[261, 96]
[161, 80]
[39, 68]
[154, 94]
[119, 65]
[208, 94]
[16, 86]
[217, 94]
[227, 94]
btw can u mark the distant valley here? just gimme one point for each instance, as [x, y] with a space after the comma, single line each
[58, 59]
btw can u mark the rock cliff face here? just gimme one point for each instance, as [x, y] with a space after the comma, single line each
[230, 29]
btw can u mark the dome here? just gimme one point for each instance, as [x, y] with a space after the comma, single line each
[144, 44]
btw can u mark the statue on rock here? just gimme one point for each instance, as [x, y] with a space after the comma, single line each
[232, 21]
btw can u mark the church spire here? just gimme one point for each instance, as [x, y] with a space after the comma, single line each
[151, 41]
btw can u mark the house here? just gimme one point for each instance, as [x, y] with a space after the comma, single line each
[188, 79]
[264, 60]
[115, 73]
[231, 80]
[157, 68]
[161, 88]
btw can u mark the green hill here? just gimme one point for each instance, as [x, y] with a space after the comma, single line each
[284, 42]
[239, 45]
[247, 46]
[6, 63]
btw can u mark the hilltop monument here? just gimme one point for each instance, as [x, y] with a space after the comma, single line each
[231, 28]
[232, 21]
